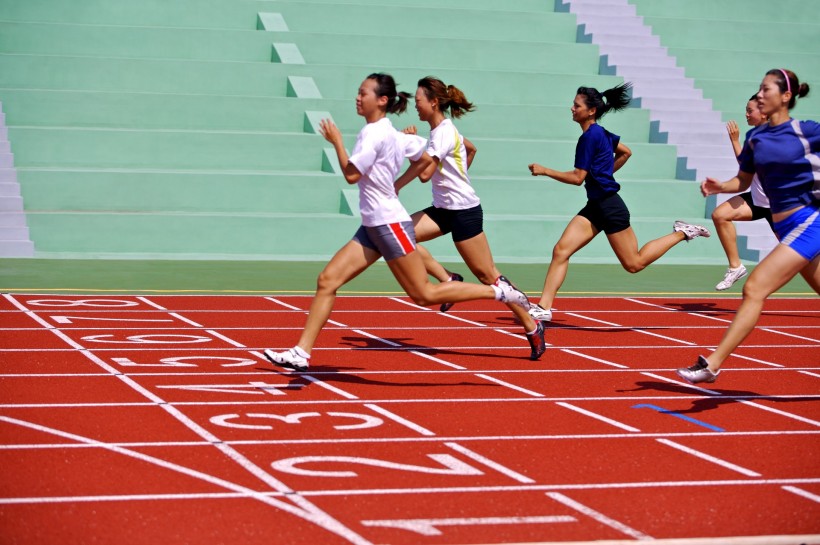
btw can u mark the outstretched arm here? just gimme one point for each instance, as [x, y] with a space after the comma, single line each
[417, 168]
[738, 184]
[572, 177]
[331, 133]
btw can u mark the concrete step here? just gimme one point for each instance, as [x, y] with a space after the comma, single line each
[9, 189]
[12, 218]
[11, 204]
[16, 248]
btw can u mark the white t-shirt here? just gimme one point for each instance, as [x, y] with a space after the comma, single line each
[412, 144]
[378, 156]
[451, 184]
[759, 197]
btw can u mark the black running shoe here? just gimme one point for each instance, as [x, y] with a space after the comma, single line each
[454, 277]
[537, 342]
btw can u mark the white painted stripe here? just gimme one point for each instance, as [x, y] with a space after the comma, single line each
[247, 492]
[304, 508]
[599, 360]
[377, 338]
[279, 302]
[437, 360]
[781, 413]
[428, 527]
[598, 417]
[635, 329]
[508, 385]
[598, 516]
[186, 320]
[709, 458]
[756, 360]
[809, 373]
[400, 440]
[514, 475]
[326, 386]
[800, 492]
[744, 401]
[398, 419]
[224, 338]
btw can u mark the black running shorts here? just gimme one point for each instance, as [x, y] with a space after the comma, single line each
[608, 214]
[464, 224]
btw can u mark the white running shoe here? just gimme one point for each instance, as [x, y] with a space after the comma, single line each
[699, 372]
[690, 230]
[288, 359]
[511, 294]
[540, 314]
[731, 276]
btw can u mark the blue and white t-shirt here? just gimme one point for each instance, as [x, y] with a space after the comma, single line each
[786, 158]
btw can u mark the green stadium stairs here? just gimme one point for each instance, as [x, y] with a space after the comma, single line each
[187, 129]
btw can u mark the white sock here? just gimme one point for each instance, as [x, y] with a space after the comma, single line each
[498, 292]
[301, 352]
[533, 331]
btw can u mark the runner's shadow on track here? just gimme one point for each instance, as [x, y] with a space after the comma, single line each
[337, 374]
[376, 345]
[699, 307]
[709, 403]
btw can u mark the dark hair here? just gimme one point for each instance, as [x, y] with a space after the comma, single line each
[449, 97]
[386, 87]
[614, 99]
[754, 97]
[798, 89]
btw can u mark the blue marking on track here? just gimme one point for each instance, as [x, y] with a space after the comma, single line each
[678, 415]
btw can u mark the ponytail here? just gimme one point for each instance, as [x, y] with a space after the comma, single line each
[386, 87]
[449, 97]
[614, 99]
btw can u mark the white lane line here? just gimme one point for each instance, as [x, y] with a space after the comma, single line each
[800, 492]
[437, 360]
[630, 328]
[598, 417]
[709, 458]
[598, 516]
[299, 505]
[756, 360]
[514, 475]
[599, 360]
[286, 305]
[508, 385]
[429, 527]
[316, 517]
[727, 321]
[398, 419]
[715, 394]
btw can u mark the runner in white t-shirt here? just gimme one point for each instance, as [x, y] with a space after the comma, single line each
[386, 230]
[456, 208]
[749, 206]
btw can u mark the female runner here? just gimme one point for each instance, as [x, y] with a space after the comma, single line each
[456, 208]
[598, 155]
[386, 227]
[749, 206]
[785, 154]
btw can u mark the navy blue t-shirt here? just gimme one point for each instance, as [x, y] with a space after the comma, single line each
[595, 153]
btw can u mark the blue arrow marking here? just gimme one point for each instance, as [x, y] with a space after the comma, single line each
[677, 415]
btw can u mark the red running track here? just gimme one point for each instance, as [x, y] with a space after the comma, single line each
[127, 419]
